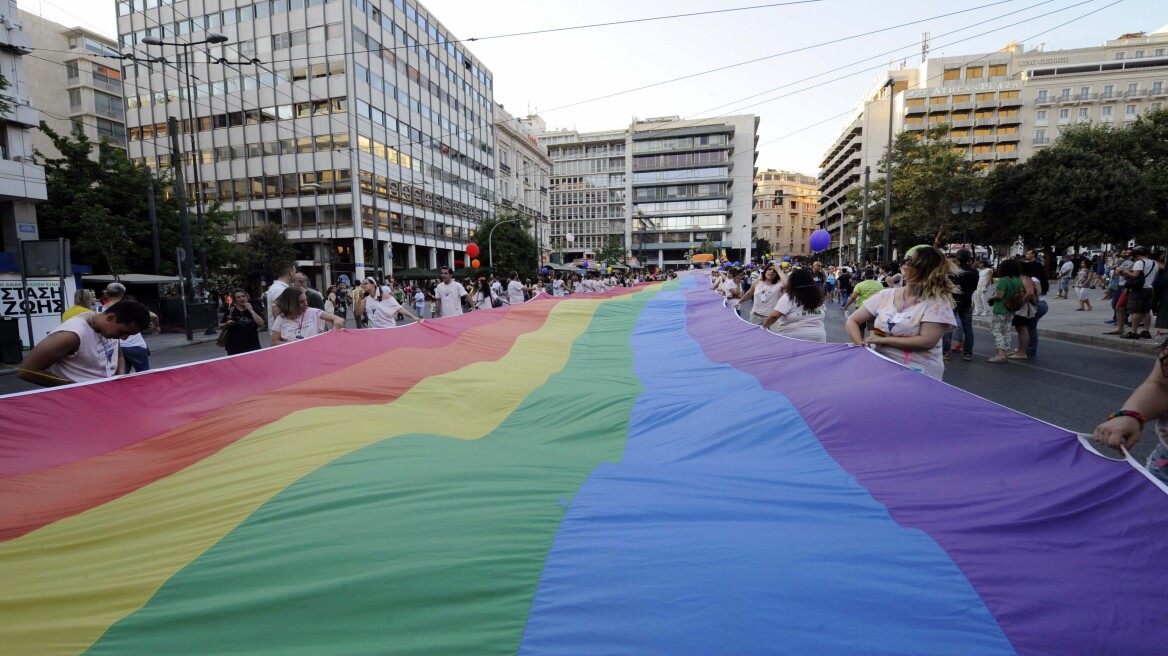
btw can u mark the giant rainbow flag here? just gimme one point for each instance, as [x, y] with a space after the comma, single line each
[638, 472]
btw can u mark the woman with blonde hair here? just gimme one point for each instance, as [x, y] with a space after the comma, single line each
[83, 300]
[909, 321]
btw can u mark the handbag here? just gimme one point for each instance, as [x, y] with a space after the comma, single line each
[1136, 284]
[222, 341]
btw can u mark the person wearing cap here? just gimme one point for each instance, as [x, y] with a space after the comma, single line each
[86, 347]
[379, 305]
[134, 349]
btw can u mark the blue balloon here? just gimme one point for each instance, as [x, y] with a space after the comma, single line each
[787, 258]
[544, 271]
[584, 264]
[820, 240]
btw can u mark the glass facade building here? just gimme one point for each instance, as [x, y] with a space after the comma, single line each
[362, 127]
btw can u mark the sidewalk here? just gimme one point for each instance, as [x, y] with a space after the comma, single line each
[1063, 323]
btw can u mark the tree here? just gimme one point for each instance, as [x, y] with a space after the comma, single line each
[97, 200]
[929, 173]
[761, 247]
[613, 252]
[512, 244]
[267, 245]
[1064, 196]
[708, 246]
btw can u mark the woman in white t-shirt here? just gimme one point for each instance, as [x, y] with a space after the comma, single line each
[379, 305]
[557, 286]
[484, 296]
[515, 290]
[731, 288]
[766, 292]
[798, 313]
[297, 320]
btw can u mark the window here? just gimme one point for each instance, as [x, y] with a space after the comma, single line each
[952, 73]
[1065, 94]
[1133, 88]
[107, 103]
[1159, 52]
[1120, 55]
[1043, 94]
[1139, 54]
[960, 98]
[1084, 114]
[1105, 111]
[1040, 116]
[1084, 92]
[1108, 91]
[915, 102]
[974, 72]
[1129, 111]
[71, 70]
[1156, 106]
[1040, 136]
[984, 113]
[1009, 94]
[1157, 87]
[1064, 114]
[985, 96]
[74, 97]
[997, 70]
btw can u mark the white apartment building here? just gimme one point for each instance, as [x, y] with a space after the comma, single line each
[362, 127]
[22, 183]
[1001, 107]
[71, 86]
[523, 172]
[663, 186]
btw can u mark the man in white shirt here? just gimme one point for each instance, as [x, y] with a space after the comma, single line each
[515, 290]
[496, 287]
[85, 347]
[379, 305]
[448, 294]
[134, 351]
[284, 273]
[1066, 269]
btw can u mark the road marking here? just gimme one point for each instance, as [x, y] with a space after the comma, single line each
[1075, 376]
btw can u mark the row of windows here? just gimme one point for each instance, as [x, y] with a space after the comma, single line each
[316, 34]
[676, 143]
[681, 206]
[984, 96]
[975, 72]
[588, 212]
[679, 191]
[1139, 54]
[604, 150]
[381, 87]
[644, 162]
[981, 114]
[713, 221]
[588, 197]
[234, 84]
[391, 155]
[208, 22]
[1109, 91]
[414, 224]
[578, 228]
[676, 237]
[248, 117]
[588, 182]
[986, 131]
[379, 117]
[585, 166]
[680, 174]
[400, 192]
[1084, 113]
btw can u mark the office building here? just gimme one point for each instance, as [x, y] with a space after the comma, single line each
[1001, 107]
[22, 183]
[785, 212]
[362, 127]
[662, 186]
[72, 87]
[523, 173]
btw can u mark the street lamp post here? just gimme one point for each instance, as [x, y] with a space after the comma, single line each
[188, 92]
[888, 175]
[841, 237]
[970, 207]
[490, 248]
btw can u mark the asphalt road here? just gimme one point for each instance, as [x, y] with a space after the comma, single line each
[1069, 385]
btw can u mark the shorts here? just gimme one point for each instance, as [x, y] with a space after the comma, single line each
[1020, 321]
[1064, 283]
[1139, 301]
[1121, 302]
[830, 287]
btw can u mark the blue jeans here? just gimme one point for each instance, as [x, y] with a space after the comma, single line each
[963, 334]
[1032, 328]
[137, 358]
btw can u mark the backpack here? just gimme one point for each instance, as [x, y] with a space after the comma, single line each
[1017, 299]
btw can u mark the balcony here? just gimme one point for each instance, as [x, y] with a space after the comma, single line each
[915, 109]
[1044, 100]
[105, 84]
[1010, 102]
[1108, 96]
[962, 141]
[1008, 137]
[108, 113]
[986, 104]
[939, 107]
[984, 138]
[1138, 93]
[963, 123]
[1009, 154]
[914, 126]
[1084, 97]
[983, 157]
[1158, 92]
[962, 105]
[1006, 119]
[1041, 141]
[986, 121]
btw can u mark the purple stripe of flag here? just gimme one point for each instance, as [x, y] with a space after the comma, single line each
[1063, 546]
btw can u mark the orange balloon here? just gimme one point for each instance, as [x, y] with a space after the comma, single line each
[474, 263]
[472, 249]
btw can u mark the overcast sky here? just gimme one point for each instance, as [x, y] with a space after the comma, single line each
[547, 72]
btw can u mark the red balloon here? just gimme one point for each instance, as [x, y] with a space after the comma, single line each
[474, 263]
[472, 250]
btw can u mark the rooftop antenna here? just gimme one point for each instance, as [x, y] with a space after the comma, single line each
[924, 46]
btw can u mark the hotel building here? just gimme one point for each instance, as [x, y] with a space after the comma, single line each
[362, 127]
[786, 211]
[1001, 107]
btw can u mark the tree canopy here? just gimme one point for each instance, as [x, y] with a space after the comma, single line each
[613, 252]
[513, 246]
[97, 199]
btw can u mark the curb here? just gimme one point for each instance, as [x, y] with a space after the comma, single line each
[1112, 343]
